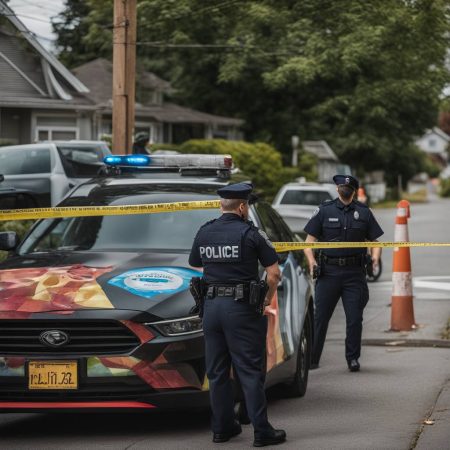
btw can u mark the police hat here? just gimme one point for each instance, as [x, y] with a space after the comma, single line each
[346, 180]
[239, 191]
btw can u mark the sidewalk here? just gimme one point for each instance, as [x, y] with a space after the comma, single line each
[414, 363]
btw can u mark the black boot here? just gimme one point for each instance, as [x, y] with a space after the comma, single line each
[225, 437]
[271, 437]
[353, 365]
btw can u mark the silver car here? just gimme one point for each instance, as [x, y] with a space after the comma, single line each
[51, 169]
[296, 202]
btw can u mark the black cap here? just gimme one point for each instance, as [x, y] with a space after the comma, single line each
[346, 180]
[238, 191]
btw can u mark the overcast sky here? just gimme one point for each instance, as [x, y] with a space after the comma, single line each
[36, 15]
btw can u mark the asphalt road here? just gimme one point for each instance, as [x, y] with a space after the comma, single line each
[381, 407]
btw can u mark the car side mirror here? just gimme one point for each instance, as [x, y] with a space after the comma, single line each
[2, 178]
[8, 240]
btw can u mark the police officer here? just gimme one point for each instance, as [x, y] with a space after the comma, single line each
[229, 249]
[141, 141]
[342, 271]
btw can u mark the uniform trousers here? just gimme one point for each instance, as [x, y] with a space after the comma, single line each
[235, 335]
[348, 283]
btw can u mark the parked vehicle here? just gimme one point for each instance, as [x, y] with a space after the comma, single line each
[49, 170]
[296, 202]
[11, 198]
[95, 311]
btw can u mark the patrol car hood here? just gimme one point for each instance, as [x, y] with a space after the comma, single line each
[153, 283]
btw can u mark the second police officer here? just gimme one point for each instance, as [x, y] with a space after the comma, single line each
[229, 249]
[342, 271]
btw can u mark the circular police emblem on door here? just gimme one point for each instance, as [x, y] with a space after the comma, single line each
[152, 281]
[356, 215]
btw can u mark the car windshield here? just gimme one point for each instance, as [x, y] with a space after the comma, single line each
[137, 232]
[82, 160]
[24, 161]
[299, 197]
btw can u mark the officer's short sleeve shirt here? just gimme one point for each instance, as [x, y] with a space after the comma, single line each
[194, 257]
[265, 250]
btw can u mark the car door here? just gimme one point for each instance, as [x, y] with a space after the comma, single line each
[283, 333]
[28, 167]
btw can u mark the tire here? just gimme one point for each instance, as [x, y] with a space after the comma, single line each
[376, 274]
[297, 388]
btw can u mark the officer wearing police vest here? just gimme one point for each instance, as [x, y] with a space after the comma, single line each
[341, 273]
[229, 249]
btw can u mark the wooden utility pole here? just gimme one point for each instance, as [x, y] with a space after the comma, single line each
[124, 75]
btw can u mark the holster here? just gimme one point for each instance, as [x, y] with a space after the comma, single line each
[257, 295]
[197, 288]
[317, 270]
[369, 265]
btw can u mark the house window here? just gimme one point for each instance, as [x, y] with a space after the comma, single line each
[56, 128]
[432, 143]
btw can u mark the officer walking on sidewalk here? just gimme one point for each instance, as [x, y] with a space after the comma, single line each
[341, 272]
[229, 249]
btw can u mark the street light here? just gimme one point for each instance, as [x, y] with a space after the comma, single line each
[295, 141]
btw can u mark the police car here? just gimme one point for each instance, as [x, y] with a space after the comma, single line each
[95, 311]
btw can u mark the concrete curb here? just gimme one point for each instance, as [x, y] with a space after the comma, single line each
[434, 432]
[434, 343]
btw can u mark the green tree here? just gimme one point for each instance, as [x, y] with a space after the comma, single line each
[74, 28]
[365, 76]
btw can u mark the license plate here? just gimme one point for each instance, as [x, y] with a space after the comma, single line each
[53, 375]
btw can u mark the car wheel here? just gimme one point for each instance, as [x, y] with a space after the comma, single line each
[376, 273]
[297, 388]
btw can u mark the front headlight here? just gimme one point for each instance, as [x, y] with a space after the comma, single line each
[179, 327]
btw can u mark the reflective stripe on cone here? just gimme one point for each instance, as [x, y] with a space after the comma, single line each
[402, 309]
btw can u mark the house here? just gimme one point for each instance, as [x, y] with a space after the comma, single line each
[435, 143]
[40, 99]
[164, 121]
[328, 163]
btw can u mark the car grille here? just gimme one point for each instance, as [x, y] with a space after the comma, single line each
[22, 337]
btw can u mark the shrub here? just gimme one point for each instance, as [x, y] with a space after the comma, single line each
[261, 162]
[445, 188]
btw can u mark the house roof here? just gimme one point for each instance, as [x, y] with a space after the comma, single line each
[442, 134]
[53, 62]
[320, 149]
[97, 74]
[172, 113]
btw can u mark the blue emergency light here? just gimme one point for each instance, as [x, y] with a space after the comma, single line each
[127, 160]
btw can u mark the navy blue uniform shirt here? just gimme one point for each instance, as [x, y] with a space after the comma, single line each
[335, 222]
[229, 249]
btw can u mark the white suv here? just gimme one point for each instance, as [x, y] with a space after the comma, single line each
[296, 202]
[49, 170]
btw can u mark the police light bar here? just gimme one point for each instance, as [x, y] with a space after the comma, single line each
[191, 161]
[127, 160]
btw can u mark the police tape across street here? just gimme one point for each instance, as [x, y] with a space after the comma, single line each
[153, 208]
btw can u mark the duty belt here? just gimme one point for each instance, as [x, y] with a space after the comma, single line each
[344, 261]
[238, 291]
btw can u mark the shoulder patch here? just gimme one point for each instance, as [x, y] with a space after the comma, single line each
[316, 211]
[266, 238]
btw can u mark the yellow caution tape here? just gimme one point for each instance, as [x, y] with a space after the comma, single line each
[293, 246]
[91, 211]
[152, 208]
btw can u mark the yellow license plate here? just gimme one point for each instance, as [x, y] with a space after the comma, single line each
[53, 375]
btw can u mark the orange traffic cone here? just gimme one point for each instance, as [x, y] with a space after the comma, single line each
[402, 309]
